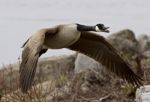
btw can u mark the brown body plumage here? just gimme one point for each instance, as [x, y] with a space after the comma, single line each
[78, 38]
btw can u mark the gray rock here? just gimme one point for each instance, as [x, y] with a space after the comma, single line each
[124, 41]
[144, 43]
[52, 67]
[143, 94]
[125, 34]
[94, 72]
[84, 62]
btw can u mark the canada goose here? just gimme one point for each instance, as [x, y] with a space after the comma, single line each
[76, 37]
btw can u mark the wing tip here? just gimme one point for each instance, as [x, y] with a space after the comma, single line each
[24, 86]
[136, 80]
[25, 91]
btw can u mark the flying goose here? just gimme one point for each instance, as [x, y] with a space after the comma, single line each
[75, 37]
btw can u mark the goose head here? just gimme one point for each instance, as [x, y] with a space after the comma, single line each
[101, 28]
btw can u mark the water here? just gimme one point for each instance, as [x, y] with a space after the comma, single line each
[19, 18]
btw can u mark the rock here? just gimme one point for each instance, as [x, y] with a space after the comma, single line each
[94, 72]
[144, 43]
[124, 41]
[143, 94]
[52, 67]
[84, 62]
[125, 34]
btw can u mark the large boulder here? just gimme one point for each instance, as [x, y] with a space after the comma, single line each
[124, 41]
[144, 43]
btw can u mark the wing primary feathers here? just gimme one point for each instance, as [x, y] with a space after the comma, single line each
[108, 56]
[32, 50]
[30, 56]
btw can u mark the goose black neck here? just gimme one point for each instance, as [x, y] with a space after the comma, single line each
[85, 28]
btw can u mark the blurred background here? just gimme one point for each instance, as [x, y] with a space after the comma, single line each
[19, 18]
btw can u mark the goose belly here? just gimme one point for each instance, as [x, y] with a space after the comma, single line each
[63, 39]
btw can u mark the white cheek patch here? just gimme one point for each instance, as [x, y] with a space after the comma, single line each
[97, 29]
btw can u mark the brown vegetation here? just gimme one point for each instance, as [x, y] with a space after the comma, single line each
[66, 86]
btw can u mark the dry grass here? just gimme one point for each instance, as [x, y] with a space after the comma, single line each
[65, 86]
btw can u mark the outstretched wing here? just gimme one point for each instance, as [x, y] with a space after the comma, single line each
[29, 61]
[30, 55]
[98, 48]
